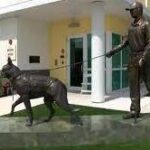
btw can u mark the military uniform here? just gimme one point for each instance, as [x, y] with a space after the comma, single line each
[138, 40]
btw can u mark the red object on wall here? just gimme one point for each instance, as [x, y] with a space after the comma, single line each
[6, 88]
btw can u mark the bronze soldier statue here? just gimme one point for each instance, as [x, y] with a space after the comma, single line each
[138, 40]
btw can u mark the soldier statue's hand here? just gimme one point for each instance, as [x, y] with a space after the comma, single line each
[108, 54]
[141, 61]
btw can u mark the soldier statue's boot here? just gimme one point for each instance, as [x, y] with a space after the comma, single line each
[130, 115]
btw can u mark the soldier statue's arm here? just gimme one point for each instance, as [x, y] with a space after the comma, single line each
[117, 48]
[147, 46]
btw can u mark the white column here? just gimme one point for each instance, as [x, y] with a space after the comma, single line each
[98, 49]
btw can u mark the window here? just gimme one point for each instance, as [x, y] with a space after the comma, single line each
[119, 65]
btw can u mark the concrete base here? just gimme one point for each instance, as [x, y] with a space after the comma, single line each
[59, 132]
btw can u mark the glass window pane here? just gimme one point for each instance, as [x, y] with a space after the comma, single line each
[116, 60]
[76, 56]
[115, 39]
[125, 56]
[124, 78]
[116, 80]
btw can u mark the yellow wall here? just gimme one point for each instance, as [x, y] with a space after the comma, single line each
[145, 2]
[59, 33]
[117, 24]
[148, 2]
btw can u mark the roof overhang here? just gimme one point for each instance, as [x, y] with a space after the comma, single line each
[23, 4]
[54, 10]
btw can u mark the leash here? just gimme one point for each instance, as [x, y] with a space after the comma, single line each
[65, 66]
[77, 63]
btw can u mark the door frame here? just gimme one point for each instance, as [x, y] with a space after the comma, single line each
[74, 88]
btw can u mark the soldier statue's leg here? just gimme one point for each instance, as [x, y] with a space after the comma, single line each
[134, 85]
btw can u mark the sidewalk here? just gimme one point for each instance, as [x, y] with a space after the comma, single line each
[116, 101]
[119, 100]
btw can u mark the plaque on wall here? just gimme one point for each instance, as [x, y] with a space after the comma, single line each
[11, 50]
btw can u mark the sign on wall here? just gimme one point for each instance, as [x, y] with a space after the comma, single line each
[11, 50]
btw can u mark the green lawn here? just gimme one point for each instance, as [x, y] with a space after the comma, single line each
[141, 145]
[41, 110]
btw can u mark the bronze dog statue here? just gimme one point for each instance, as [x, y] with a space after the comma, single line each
[30, 86]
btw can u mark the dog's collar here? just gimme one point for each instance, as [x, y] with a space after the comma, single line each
[15, 77]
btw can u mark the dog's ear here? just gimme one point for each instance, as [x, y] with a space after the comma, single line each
[9, 61]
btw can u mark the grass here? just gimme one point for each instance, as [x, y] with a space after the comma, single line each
[41, 110]
[141, 145]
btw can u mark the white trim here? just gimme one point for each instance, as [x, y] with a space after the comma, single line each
[121, 65]
[25, 5]
[146, 3]
[108, 62]
[85, 57]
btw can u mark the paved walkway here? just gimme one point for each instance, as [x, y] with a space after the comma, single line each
[117, 101]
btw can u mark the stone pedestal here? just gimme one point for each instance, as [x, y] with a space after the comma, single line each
[59, 132]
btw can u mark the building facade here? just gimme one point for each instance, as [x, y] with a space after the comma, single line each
[49, 34]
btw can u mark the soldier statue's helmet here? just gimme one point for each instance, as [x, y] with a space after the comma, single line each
[135, 5]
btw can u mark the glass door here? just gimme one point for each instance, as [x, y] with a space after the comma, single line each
[76, 58]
